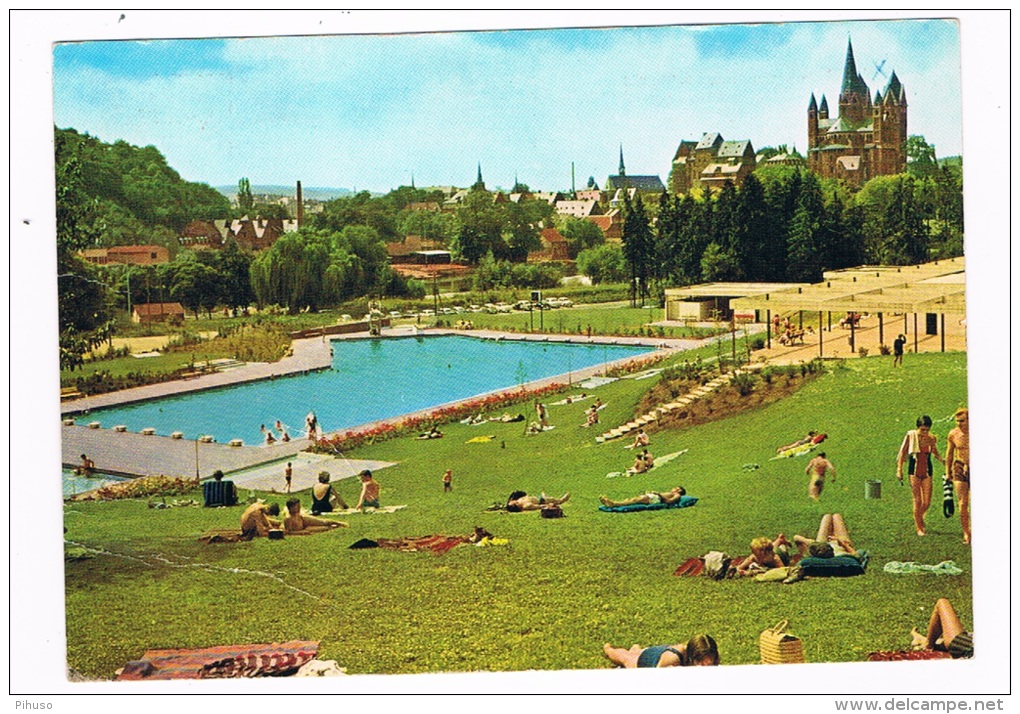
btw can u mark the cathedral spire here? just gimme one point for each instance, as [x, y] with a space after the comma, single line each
[623, 171]
[849, 69]
[813, 106]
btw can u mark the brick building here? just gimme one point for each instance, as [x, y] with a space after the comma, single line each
[127, 255]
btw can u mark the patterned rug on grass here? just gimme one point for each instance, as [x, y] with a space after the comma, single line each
[227, 661]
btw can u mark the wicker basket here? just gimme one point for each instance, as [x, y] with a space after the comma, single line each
[780, 647]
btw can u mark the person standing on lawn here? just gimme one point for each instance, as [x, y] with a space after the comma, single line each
[958, 466]
[917, 450]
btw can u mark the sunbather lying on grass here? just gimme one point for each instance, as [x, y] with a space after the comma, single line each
[945, 632]
[298, 522]
[520, 501]
[699, 651]
[833, 539]
[650, 498]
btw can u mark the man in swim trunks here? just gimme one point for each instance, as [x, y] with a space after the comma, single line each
[520, 501]
[649, 499]
[958, 466]
[288, 475]
[369, 491]
[699, 651]
[817, 468]
[257, 521]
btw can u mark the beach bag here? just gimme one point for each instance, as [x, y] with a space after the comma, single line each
[552, 512]
[947, 498]
[778, 646]
[717, 564]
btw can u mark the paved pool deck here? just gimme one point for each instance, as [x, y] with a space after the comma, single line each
[131, 454]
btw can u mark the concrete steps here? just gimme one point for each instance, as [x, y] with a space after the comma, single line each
[657, 412]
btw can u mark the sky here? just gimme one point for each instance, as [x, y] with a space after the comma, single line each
[373, 111]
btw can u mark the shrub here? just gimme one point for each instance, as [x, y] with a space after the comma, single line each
[757, 342]
[744, 382]
[884, 350]
[862, 351]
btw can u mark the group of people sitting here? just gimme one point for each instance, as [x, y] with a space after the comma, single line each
[642, 462]
[261, 519]
[786, 333]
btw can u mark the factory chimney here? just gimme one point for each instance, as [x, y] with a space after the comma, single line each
[300, 206]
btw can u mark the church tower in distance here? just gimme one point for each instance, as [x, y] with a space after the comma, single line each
[869, 136]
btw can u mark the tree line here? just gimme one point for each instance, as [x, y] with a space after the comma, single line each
[785, 224]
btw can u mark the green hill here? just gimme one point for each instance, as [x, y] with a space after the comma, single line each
[133, 195]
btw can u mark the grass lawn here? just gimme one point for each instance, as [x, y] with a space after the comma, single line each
[606, 319]
[561, 588]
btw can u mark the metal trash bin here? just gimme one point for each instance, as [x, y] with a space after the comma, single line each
[872, 489]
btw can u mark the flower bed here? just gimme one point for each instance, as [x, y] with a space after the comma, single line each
[144, 487]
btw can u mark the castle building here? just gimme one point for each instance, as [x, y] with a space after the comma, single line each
[710, 163]
[869, 136]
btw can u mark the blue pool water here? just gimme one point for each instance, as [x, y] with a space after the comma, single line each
[73, 484]
[370, 380]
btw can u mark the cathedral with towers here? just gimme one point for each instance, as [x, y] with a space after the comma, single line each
[869, 136]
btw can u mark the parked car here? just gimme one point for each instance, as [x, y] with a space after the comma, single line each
[427, 313]
[395, 314]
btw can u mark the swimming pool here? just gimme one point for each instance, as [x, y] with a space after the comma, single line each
[370, 379]
[74, 484]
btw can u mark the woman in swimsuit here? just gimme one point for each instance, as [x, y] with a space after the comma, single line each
[324, 499]
[699, 651]
[919, 445]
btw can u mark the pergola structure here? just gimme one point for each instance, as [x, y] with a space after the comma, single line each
[722, 294]
[934, 289]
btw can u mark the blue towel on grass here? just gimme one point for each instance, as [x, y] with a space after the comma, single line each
[682, 503]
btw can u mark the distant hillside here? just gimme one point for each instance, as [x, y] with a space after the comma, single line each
[317, 193]
[129, 194]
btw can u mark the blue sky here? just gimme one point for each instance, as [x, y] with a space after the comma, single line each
[370, 111]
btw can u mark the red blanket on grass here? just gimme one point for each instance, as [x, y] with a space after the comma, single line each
[260, 660]
[898, 655]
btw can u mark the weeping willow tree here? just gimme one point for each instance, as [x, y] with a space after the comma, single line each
[290, 272]
[315, 269]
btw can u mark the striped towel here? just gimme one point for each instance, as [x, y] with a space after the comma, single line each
[259, 660]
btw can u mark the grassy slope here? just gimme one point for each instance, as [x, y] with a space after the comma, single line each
[561, 588]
